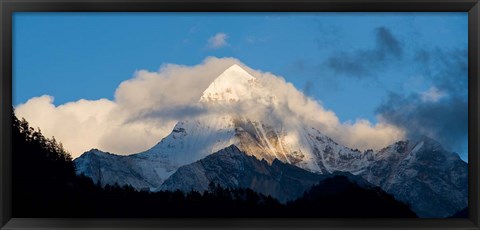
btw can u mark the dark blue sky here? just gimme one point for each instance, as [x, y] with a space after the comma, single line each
[360, 65]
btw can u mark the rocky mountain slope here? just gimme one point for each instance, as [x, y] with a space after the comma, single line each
[422, 173]
[232, 168]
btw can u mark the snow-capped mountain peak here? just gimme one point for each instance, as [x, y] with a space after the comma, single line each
[407, 169]
[234, 83]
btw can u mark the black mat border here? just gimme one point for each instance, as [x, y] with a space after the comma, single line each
[8, 7]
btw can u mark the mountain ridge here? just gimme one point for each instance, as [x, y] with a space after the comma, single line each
[232, 168]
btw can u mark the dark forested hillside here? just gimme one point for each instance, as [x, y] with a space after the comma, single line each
[340, 197]
[45, 185]
[42, 169]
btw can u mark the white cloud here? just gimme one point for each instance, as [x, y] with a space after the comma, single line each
[131, 122]
[218, 40]
[78, 125]
[432, 95]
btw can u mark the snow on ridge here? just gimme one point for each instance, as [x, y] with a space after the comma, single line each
[233, 84]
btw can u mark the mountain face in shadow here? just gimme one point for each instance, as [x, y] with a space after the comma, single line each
[302, 193]
[232, 168]
[338, 195]
[423, 174]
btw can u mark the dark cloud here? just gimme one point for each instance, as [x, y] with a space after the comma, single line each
[349, 64]
[445, 119]
[367, 62]
[387, 44]
[179, 112]
[446, 69]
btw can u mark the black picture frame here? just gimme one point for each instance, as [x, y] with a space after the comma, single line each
[8, 7]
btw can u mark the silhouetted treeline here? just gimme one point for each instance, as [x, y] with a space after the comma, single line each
[338, 196]
[42, 169]
[45, 185]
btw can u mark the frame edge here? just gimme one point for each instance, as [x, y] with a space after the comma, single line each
[5, 119]
[474, 86]
[6, 9]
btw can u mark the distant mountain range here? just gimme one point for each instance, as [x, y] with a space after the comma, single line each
[281, 159]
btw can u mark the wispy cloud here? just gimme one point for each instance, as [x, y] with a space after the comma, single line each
[432, 95]
[366, 62]
[217, 41]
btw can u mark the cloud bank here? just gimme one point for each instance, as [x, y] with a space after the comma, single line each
[146, 107]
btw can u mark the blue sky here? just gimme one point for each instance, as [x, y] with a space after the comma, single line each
[356, 64]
